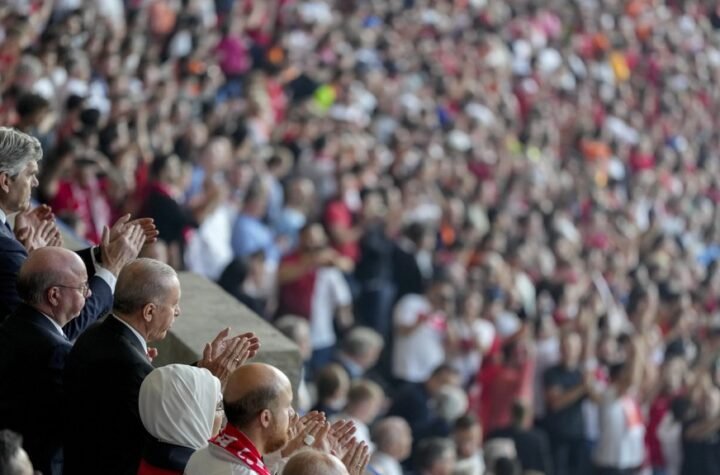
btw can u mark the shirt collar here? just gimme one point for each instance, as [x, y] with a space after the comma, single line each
[55, 324]
[3, 217]
[135, 332]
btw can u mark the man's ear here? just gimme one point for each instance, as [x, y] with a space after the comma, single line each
[5, 182]
[52, 296]
[266, 418]
[149, 312]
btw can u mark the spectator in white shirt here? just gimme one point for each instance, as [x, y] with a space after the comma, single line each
[393, 442]
[420, 330]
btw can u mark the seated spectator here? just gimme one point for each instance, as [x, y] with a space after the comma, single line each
[468, 438]
[33, 348]
[414, 403]
[531, 445]
[393, 441]
[107, 365]
[359, 351]
[178, 408]
[365, 400]
[435, 456]
[13, 459]
[332, 384]
[420, 328]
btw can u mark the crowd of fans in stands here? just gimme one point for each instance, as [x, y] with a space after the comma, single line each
[491, 227]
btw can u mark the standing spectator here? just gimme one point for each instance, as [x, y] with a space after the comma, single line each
[531, 445]
[294, 215]
[420, 328]
[311, 285]
[411, 269]
[178, 408]
[414, 402]
[107, 365]
[339, 217]
[468, 437]
[393, 444]
[621, 447]
[566, 387]
[469, 336]
[54, 286]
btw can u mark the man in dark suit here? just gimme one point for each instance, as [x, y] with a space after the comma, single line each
[109, 362]
[54, 287]
[34, 229]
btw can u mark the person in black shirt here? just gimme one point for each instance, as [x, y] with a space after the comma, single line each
[532, 446]
[565, 388]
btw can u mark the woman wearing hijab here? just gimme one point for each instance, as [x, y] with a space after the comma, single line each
[178, 408]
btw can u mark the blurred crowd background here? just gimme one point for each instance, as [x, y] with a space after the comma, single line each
[497, 221]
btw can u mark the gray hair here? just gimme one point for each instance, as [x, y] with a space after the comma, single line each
[385, 431]
[141, 282]
[359, 340]
[17, 150]
[289, 325]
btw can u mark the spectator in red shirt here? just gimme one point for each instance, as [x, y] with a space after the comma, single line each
[339, 218]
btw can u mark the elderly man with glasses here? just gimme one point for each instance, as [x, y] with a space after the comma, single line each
[53, 286]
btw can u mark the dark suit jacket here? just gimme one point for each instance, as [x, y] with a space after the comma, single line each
[406, 272]
[12, 256]
[103, 374]
[32, 358]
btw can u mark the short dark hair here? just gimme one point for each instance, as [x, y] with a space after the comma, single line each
[506, 466]
[10, 445]
[241, 413]
[429, 451]
[328, 381]
[30, 103]
[468, 421]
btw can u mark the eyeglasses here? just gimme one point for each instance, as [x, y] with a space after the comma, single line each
[84, 289]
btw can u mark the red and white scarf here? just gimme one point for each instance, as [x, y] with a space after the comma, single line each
[237, 444]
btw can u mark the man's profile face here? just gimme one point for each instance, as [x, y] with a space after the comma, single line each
[281, 420]
[20, 188]
[165, 313]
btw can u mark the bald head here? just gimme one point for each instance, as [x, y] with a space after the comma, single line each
[251, 389]
[312, 462]
[44, 268]
[141, 282]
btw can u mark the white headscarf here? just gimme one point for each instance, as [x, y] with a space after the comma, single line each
[177, 404]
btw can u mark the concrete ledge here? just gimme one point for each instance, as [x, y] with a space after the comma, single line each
[207, 309]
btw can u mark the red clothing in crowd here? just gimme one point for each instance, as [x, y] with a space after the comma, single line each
[295, 298]
[88, 203]
[338, 214]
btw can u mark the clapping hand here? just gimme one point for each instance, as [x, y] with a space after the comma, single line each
[357, 457]
[36, 228]
[223, 355]
[146, 224]
[121, 245]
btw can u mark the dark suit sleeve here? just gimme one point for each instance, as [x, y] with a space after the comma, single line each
[11, 259]
[86, 256]
[99, 304]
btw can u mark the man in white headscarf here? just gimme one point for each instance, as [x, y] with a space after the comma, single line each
[178, 407]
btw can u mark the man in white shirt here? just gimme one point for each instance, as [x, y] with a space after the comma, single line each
[621, 444]
[258, 406]
[420, 329]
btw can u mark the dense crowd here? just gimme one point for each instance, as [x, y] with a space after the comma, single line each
[491, 227]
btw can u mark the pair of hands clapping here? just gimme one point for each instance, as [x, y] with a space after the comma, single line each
[313, 430]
